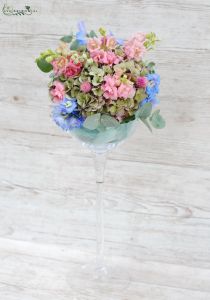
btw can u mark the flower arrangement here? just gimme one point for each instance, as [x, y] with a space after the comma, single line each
[98, 81]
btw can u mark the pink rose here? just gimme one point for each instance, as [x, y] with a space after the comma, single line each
[85, 87]
[126, 91]
[109, 88]
[93, 44]
[134, 48]
[141, 82]
[57, 91]
[72, 69]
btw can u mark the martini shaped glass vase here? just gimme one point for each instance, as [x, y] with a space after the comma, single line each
[100, 142]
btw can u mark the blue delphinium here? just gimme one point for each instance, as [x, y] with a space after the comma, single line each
[66, 115]
[81, 35]
[152, 89]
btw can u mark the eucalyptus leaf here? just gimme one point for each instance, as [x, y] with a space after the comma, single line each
[146, 123]
[75, 45]
[92, 34]
[157, 120]
[144, 111]
[92, 122]
[107, 136]
[67, 38]
[43, 65]
[108, 121]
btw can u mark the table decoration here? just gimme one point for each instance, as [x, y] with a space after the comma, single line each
[100, 87]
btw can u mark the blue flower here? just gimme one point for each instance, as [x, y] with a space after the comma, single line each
[153, 100]
[66, 115]
[152, 89]
[153, 86]
[120, 42]
[68, 105]
[81, 35]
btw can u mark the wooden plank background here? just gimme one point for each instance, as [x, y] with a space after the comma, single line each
[157, 190]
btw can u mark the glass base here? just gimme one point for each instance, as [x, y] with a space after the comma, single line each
[106, 282]
[95, 270]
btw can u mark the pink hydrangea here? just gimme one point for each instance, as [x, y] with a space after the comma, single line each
[57, 91]
[93, 44]
[72, 69]
[110, 87]
[59, 65]
[105, 57]
[141, 82]
[85, 87]
[126, 91]
[134, 48]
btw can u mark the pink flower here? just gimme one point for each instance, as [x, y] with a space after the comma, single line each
[126, 91]
[105, 57]
[111, 42]
[114, 89]
[141, 82]
[134, 48]
[112, 58]
[72, 69]
[85, 87]
[108, 42]
[110, 87]
[57, 91]
[93, 44]
[59, 65]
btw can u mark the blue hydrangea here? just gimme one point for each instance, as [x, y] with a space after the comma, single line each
[81, 35]
[66, 115]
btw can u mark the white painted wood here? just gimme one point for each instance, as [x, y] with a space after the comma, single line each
[157, 189]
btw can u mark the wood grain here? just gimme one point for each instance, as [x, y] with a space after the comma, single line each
[157, 189]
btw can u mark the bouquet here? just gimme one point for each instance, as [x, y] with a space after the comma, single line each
[98, 81]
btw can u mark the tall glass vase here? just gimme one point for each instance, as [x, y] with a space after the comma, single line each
[99, 164]
[100, 143]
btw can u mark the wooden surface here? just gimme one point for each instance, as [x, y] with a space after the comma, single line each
[157, 190]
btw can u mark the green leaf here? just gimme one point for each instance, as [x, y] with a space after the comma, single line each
[75, 45]
[128, 119]
[108, 121]
[157, 120]
[43, 65]
[67, 38]
[92, 34]
[102, 31]
[144, 112]
[146, 123]
[92, 122]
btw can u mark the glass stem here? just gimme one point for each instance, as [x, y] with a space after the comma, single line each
[99, 162]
